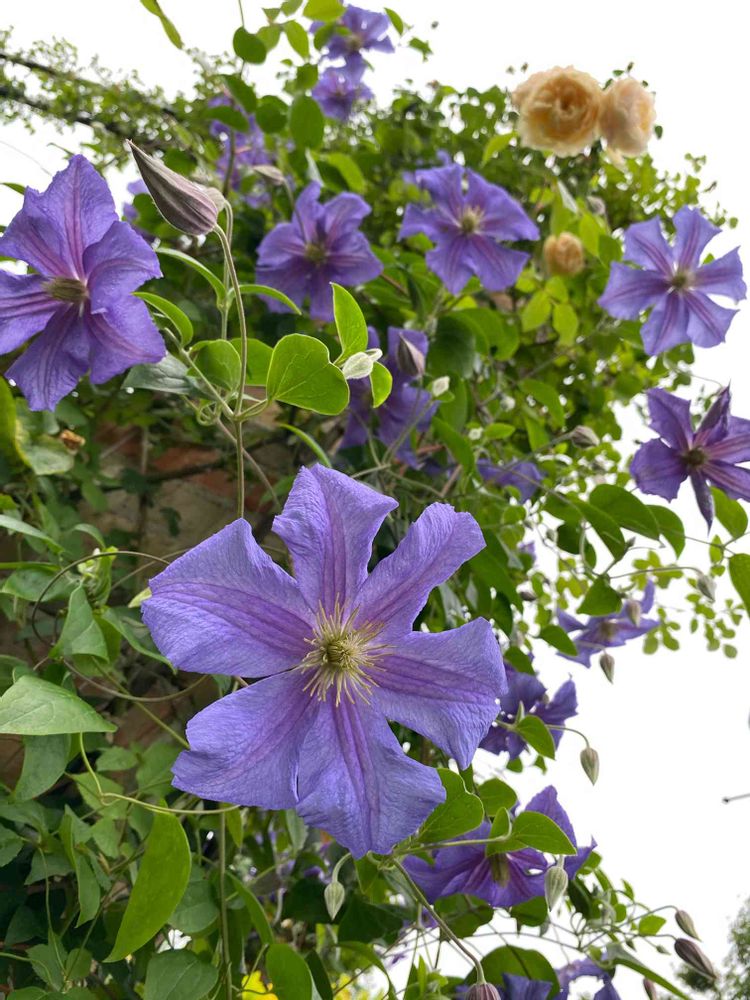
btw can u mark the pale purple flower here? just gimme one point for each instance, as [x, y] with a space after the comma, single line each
[674, 284]
[407, 408]
[500, 879]
[524, 476]
[365, 31]
[582, 968]
[338, 658]
[521, 988]
[339, 89]
[528, 691]
[466, 221]
[87, 263]
[707, 456]
[601, 632]
[321, 244]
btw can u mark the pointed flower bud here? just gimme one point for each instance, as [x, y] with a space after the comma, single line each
[334, 895]
[185, 205]
[650, 990]
[607, 663]
[555, 885]
[590, 764]
[360, 365]
[584, 437]
[706, 586]
[633, 611]
[440, 385]
[685, 923]
[692, 955]
[482, 991]
[409, 358]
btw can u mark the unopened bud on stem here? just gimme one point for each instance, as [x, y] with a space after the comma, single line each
[334, 895]
[607, 663]
[706, 586]
[482, 991]
[590, 763]
[555, 884]
[584, 437]
[187, 206]
[692, 955]
[685, 922]
[409, 358]
[650, 990]
[633, 611]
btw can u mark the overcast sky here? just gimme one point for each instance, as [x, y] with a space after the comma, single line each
[673, 730]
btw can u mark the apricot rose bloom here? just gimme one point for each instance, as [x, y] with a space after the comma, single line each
[559, 110]
[627, 117]
[563, 255]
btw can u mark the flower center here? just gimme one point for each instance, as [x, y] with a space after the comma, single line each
[681, 280]
[471, 219]
[609, 630]
[342, 658]
[66, 290]
[500, 868]
[695, 457]
[316, 253]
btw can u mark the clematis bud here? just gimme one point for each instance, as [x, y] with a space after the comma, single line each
[563, 255]
[440, 385]
[555, 884]
[633, 611]
[360, 365]
[650, 990]
[590, 763]
[185, 205]
[706, 586]
[409, 358]
[482, 991]
[685, 922]
[607, 663]
[692, 955]
[584, 437]
[334, 895]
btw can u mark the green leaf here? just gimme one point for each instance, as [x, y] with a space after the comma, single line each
[215, 282]
[255, 910]
[134, 632]
[349, 170]
[626, 509]
[536, 734]
[272, 293]
[289, 973]
[626, 958]
[8, 447]
[548, 396]
[311, 443]
[350, 323]
[10, 845]
[601, 599]
[381, 383]
[496, 145]
[298, 38]
[248, 47]
[739, 573]
[171, 312]
[323, 10]
[496, 795]
[731, 513]
[219, 363]
[230, 117]
[457, 443]
[178, 975]
[518, 962]
[536, 311]
[33, 707]
[242, 92]
[559, 638]
[162, 879]
[605, 527]
[539, 831]
[169, 375]
[44, 454]
[396, 20]
[17, 527]
[271, 115]
[197, 910]
[258, 359]
[81, 636]
[306, 122]
[565, 322]
[670, 526]
[460, 812]
[650, 924]
[153, 7]
[44, 760]
[301, 373]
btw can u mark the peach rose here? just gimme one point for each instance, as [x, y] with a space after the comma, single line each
[563, 254]
[627, 116]
[559, 110]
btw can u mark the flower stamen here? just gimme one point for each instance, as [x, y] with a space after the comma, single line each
[67, 290]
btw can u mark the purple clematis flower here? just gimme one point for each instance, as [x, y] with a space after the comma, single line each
[366, 31]
[602, 632]
[130, 212]
[88, 263]
[708, 455]
[500, 879]
[338, 658]
[339, 89]
[524, 476]
[580, 969]
[466, 225]
[672, 280]
[407, 408]
[521, 988]
[321, 244]
[528, 690]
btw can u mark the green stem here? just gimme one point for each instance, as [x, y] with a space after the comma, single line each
[226, 247]
[223, 905]
[240, 469]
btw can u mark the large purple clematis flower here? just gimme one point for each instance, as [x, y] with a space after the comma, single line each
[602, 632]
[524, 476]
[672, 280]
[338, 658]
[407, 408]
[339, 89]
[466, 225]
[501, 879]
[708, 455]
[528, 690]
[365, 31]
[521, 988]
[88, 263]
[321, 244]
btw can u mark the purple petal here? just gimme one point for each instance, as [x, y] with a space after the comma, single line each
[329, 524]
[629, 292]
[321, 293]
[225, 607]
[121, 336]
[658, 469]
[502, 216]
[563, 706]
[645, 245]
[694, 232]
[245, 748]
[342, 215]
[51, 365]
[733, 479]
[445, 186]
[708, 322]
[436, 225]
[703, 495]
[306, 213]
[722, 277]
[280, 245]
[735, 447]
[444, 685]
[670, 418]
[523, 476]
[25, 308]
[356, 782]
[497, 266]
[451, 262]
[118, 264]
[350, 261]
[715, 424]
[546, 802]
[438, 542]
[668, 324]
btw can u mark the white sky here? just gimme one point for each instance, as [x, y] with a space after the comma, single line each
[673, 731]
